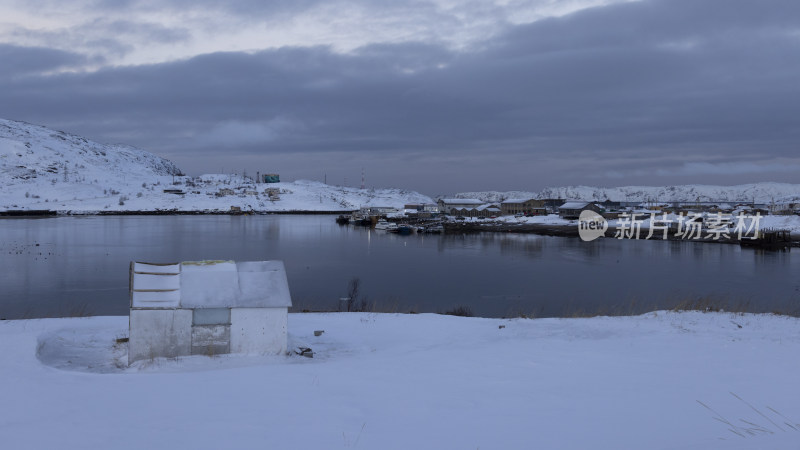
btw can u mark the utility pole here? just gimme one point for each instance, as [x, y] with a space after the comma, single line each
[363, 185]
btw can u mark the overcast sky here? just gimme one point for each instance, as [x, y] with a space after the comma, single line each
[439, 96]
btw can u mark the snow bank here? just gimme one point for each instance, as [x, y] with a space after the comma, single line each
[383, 381]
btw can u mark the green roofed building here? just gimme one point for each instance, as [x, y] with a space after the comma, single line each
[271, 178]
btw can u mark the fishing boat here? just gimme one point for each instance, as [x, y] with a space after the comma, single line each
[433, 229]
[402, 229]
[385, 225]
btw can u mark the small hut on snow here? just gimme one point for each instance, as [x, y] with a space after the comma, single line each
[207, 308]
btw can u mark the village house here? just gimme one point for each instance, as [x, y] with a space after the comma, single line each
[610, 205]
[572, 210]
[654, 206]
[270, 178]
[447, 205]
[380, 210]
[552, 204]
[528, 207]
[485, 210]
[421, 210]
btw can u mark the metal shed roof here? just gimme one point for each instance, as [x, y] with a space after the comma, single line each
[517, 200]
[210, 284]
[461, 201]
[574, 205]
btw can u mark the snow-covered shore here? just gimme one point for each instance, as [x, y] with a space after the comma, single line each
[663, 380]
[297, 196]
[791, 223]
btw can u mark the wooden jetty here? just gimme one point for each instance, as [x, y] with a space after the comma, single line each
[769, 239]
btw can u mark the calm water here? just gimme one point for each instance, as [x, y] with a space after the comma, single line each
[79, 265]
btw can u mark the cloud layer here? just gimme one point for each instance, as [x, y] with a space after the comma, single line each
[646, 92]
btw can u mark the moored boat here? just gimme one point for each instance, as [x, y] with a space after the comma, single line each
[433, 229]
[385, 225]
[402, 229]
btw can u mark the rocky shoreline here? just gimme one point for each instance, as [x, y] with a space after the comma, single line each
[157, 212]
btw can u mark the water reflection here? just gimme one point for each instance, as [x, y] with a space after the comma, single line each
[80, 266]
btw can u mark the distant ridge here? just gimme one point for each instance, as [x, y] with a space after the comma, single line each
[766, 192]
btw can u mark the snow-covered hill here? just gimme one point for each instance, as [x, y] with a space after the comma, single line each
[758, 192]
[43, 169]
[34, 153]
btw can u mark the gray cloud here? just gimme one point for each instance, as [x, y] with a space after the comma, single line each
[686, 91]
[100, 37]
[26, 61]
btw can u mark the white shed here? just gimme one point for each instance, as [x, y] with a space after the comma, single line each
[207, 308]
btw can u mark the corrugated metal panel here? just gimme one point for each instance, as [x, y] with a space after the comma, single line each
[151, 282]
[155, 285]
[209, 284]
[263, 284]
[234, 285]
[171, 268]
[259, 330]
[159, 333]
[149, 299]
[211, 339]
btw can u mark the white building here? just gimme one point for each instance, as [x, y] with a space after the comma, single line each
[378, 210]
[447, 205]
[207, 308]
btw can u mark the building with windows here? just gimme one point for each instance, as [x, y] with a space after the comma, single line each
[526, 206]
[447, 205]
[572, 210]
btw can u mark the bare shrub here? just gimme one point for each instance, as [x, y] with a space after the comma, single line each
[462, 311]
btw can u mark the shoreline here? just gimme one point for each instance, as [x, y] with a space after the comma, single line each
[572, 231]
[560, 230]
[51, 213]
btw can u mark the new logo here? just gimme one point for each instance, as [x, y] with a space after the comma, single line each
[591, 225]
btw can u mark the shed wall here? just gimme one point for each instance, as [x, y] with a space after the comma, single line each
[158, 333]
[259, 330]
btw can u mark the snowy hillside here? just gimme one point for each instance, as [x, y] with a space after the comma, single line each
[758, 192]
[43, 169]
[34, 153]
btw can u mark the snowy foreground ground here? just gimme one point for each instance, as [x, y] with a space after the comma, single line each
[382, 381]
